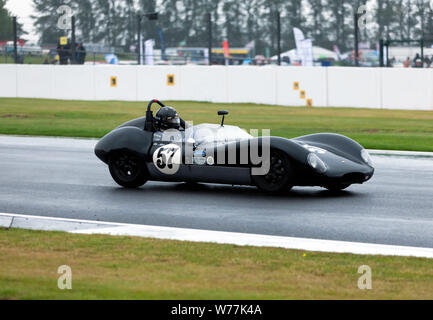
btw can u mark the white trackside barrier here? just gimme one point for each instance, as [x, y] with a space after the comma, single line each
[290, 86]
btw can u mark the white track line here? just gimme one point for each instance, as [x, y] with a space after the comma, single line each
[242, 239]
[400, 153]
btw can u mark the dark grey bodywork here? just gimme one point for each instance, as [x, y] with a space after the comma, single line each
[343, 158]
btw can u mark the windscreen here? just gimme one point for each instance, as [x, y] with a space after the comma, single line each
[209, 133]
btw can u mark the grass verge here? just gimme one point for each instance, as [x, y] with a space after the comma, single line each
[373, 128]
[105, 267]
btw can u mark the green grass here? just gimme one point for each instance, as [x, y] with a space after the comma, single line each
[105, 267]
[373, 128]
[27, 59]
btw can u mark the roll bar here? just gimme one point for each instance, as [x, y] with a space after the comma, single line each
[148, 125]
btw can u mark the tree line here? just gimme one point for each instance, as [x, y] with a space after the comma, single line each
[6, 27]
[184, 22]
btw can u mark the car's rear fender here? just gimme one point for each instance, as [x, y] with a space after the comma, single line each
[138, 122]
[129, 138]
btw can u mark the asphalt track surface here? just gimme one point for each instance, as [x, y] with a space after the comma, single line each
[62, 178]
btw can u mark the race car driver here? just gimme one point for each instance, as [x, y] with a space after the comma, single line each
[168, 118]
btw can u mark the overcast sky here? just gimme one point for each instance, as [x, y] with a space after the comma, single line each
[23, 9]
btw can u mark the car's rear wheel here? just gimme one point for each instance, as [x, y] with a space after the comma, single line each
[127, 170]
[337, 187]
[279, 176]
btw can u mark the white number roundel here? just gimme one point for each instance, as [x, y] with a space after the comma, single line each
[167, 158]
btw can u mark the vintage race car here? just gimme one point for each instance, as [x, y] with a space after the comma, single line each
[137, 152]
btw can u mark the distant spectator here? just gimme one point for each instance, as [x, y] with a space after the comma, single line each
[64, 53]
[427, 61]
[68, 52]
[46, 61]
[406, 63]
[286, 59]
[417, 61]
[61, 53]
[20, 59]
[81, 53]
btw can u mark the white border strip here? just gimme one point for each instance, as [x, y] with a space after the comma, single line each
[196, 235]
[400, 153]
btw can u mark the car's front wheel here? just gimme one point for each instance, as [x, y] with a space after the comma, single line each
[279, 176]
[127, 170]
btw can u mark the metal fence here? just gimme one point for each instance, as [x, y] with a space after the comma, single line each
[97, 54]
[386, 53]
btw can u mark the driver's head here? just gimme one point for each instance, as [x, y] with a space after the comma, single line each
[167, 118]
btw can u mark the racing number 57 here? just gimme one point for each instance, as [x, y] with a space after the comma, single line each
[165, 157]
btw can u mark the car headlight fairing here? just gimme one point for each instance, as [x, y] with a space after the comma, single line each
[366, 157]
[316, 163]
[314, 149]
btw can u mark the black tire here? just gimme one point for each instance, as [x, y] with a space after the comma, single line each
[127, 170]
[279, 176]
[337, 187]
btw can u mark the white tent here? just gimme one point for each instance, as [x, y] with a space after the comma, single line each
[318, 52]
